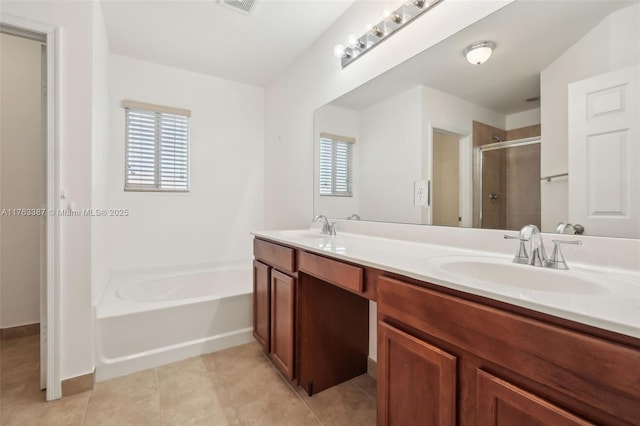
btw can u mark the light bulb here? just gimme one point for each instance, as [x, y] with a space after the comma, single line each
[386, 13]
[353, 40]
[338, 51]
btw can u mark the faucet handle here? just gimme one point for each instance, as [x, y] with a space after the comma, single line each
[521, 255]
[556, 261]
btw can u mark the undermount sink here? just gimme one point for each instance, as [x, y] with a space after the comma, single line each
[493, 270]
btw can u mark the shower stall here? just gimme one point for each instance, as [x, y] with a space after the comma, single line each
[509, 184]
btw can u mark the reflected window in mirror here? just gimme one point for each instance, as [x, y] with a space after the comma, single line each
[336, 165]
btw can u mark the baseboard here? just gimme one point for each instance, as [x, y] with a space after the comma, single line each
[372, 366]
[78, 384]
[20, 331]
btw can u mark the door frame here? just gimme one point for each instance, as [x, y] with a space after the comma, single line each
[465, 179]
[52, 287]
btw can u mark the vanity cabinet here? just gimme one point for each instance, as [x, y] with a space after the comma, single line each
[311, 314]
[445, 359]
[274, 292]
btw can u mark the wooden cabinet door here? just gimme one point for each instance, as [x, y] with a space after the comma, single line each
[416, 381]
[282, 322]
[262, 305]
[501, 403]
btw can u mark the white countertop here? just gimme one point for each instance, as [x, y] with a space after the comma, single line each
[615, 306]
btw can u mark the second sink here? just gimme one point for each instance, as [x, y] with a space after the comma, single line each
[494, 270]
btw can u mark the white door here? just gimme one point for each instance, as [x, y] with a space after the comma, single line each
[604, 153]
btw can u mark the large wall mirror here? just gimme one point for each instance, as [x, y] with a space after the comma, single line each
[545, 131]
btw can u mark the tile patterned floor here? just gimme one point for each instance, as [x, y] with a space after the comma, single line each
[237, 386]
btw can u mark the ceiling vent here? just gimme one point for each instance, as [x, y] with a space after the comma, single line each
[244, 6]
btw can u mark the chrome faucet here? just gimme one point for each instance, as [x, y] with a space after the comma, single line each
[538, 256]
[567, 228]
[530, 234]
[327, 228]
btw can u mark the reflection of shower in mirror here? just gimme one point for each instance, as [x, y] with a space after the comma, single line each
[510, 183]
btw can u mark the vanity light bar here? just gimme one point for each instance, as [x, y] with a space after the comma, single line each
[394, 21]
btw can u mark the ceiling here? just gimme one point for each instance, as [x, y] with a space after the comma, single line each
[210, 38]
[529, 36]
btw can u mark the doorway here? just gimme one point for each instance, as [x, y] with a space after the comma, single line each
[22, 184]
[448, 178]
[38, 213]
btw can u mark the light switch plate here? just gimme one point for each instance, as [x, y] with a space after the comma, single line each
[420, 192]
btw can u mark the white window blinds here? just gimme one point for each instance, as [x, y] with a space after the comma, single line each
[336, 172]
[157, 151]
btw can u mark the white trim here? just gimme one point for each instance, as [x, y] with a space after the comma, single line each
[466, 183]
[54, 384]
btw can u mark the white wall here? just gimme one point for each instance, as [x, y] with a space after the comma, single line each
[21, 178]
[387, 175]
[523, 119]
[449, 112]
[212, 222]
[99, 154]
[341, 122]
[611, 45]
[74, 20]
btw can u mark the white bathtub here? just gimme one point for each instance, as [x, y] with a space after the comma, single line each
[150, 318]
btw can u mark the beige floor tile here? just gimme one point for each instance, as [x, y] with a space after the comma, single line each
[276, 412]
[10, 390]
[238, 359]
[367, 383]
[338, 401]
[138, 412]
[188, 395]
[356, 418]
[140, 385]
[237, 386]
[64, 412]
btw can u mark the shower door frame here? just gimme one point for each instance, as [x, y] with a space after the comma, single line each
[494, 147]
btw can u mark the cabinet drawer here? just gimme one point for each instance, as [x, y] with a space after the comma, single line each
[280, 257]
[346, 276]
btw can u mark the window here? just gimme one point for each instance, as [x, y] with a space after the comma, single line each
[336, 154]
[157, 148]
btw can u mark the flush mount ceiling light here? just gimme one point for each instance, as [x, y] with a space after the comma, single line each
[478, 53]
[392, 21]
